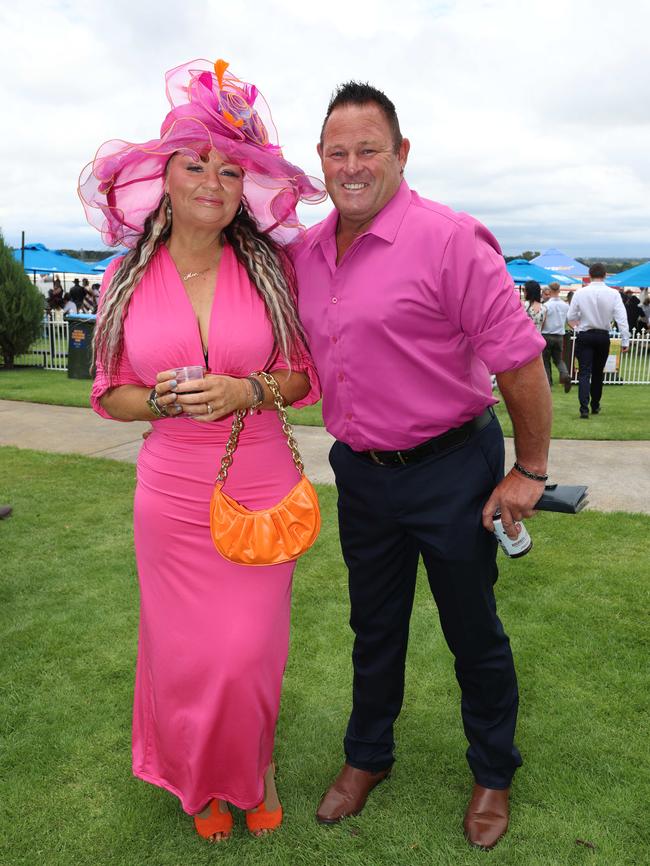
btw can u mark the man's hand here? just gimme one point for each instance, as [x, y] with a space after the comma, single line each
[528, 398]
[515, 497]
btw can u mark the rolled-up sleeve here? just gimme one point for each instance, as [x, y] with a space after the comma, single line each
[125, 375]
[302, 363]
[480, 298]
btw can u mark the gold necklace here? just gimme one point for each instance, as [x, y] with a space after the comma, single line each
[190, 274]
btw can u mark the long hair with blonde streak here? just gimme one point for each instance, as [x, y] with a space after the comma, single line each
[268, 267]
[108, 341]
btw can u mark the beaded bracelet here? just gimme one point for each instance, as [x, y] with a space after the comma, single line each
[530, 475]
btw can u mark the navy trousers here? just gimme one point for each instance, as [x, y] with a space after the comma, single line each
[592, 349]
[388, 516]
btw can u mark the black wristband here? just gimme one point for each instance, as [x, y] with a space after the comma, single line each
[528, 474]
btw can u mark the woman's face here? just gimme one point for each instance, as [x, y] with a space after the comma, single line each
[204, 192]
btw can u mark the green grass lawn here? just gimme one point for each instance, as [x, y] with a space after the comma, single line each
[625, 408]
[576, 611]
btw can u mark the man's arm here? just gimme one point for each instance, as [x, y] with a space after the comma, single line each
[528, 399]
[573, 313]
[620, 317]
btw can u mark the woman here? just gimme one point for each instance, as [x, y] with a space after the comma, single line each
[533, 303]
[55, 298]
[205, 209]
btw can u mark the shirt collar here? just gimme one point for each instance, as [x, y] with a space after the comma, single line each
[384, 225]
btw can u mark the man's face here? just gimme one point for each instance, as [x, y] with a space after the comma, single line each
[361, 168]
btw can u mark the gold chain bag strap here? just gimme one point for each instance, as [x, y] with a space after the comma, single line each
[277, 534]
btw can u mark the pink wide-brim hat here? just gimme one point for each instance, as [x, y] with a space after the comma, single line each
[212, 108]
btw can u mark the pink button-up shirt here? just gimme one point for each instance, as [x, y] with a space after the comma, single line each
[406, 329]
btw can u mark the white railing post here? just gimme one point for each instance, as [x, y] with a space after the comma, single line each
[634, 365]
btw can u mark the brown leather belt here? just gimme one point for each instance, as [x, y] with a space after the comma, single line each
[438, 445]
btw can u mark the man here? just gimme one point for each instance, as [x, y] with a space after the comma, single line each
[592, 310]
[408, 307]
[553, 332]
[77, 294]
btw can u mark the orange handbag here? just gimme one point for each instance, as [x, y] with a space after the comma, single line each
[277, 534]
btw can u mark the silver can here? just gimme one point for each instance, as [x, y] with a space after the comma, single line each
[512, 547]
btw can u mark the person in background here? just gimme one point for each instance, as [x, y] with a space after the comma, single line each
[535, 310]
[55, 297]
[77, 294]
[645, 307]
[553, 330]
[591, 313]
[69, 306]
[89, 304]
[408, 307]
[634, 312]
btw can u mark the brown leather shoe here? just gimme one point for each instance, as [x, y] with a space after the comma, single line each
[348, 794]
[566, 381]
[486, 818]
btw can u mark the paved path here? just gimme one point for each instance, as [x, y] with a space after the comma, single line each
[618, 473]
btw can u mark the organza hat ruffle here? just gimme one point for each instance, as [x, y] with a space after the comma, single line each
[212, 108]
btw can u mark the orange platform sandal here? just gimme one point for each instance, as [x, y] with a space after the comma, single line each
[267, 817]
[217, 822]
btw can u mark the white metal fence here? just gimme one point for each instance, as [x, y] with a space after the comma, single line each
[631, 368]
[50, 350]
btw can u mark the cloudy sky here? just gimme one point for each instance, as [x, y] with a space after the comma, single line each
[533, 115]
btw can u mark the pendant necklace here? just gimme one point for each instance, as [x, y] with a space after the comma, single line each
[190, 274]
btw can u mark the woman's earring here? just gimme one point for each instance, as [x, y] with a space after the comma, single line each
[168, 206]
[240, 209]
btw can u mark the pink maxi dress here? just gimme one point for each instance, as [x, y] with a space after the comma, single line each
[214, 635]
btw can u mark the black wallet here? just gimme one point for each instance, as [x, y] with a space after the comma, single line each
[567, 498]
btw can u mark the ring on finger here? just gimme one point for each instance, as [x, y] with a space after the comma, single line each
[210, 409]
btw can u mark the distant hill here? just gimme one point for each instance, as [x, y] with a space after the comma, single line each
[613, 265]
[88, 255]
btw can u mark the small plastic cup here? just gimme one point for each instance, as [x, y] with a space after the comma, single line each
[189, 374]
[186, 374]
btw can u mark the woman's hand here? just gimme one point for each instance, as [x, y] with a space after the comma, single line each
[166, 396]
[212, 397]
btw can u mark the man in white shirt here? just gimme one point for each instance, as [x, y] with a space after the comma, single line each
[592, 310]
[553, 332]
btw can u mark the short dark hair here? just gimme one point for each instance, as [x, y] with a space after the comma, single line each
[597, 271]
[532, 290]
[362, 93]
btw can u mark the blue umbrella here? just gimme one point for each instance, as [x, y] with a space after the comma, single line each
[521, 270]
[40, 260]
[559, 263]
[100, 267]
[634, 277]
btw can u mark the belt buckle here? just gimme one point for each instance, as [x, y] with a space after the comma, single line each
[375, 458]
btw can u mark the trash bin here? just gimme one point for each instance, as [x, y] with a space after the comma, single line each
[80, 338]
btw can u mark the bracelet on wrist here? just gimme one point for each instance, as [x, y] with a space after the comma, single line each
[257, 393]
[532, 475]
[158, 410]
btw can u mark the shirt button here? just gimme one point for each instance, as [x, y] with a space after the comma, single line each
[335, 339]
[340, 377]
[334, 300]
[349, 416]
